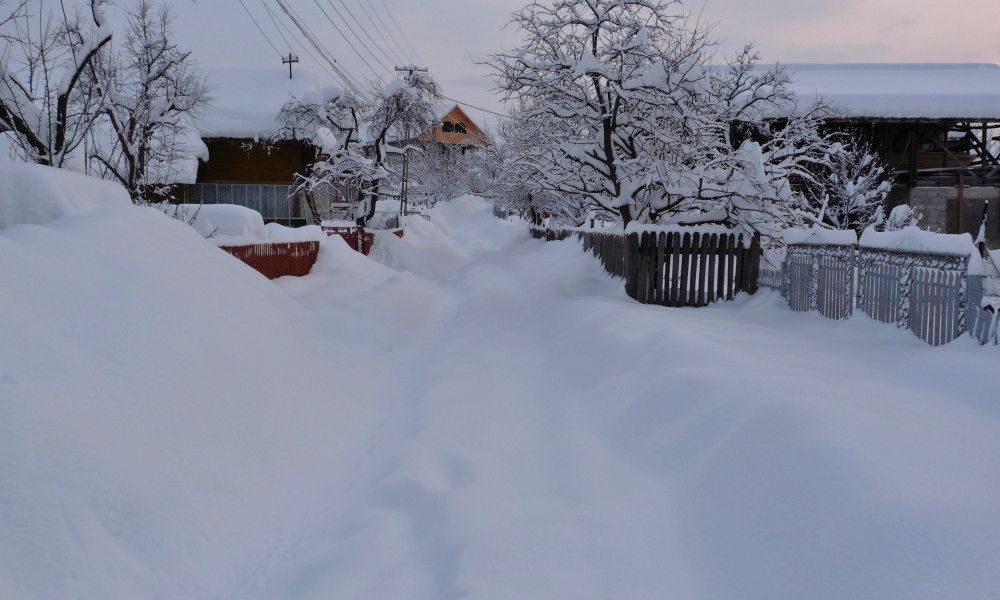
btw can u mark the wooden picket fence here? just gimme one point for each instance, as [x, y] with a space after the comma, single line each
[674, 268]
[274, 260]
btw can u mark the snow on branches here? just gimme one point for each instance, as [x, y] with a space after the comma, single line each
[356, 140]
[46, 99]
[629, 117]
[151, 93]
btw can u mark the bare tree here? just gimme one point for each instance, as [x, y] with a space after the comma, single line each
[46, 99]
[151, 93]
[852, 190]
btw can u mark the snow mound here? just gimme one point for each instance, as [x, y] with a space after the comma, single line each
[153, 404]
[234, 225]
[36, 195]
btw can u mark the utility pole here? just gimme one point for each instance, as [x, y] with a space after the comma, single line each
[411, 71]
[289, 60]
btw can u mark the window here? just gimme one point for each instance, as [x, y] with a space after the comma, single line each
[448, 127]
[460, 128]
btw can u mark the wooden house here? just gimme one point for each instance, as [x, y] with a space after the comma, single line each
[936, 125]
[245, 168]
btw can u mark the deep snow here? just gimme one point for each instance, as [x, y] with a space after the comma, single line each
[468, 414]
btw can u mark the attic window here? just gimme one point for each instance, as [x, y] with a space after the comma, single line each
[460, 128]
[448, 127]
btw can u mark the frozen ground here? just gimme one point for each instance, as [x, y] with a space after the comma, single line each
[475, 414]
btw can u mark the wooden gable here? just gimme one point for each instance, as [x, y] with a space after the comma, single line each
[456, 128]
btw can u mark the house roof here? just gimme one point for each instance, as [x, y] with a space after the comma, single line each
[246, 101]
[906, 91]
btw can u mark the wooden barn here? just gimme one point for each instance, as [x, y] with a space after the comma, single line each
[937, 125]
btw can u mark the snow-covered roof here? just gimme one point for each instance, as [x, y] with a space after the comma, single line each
[246, 101]
[902, 90]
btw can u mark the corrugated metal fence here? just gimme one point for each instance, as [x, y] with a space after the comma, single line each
[274, 260]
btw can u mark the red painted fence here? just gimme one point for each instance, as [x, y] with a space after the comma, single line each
[351, 235]
[275, 260]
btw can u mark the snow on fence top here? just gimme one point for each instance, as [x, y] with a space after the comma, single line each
[901, 90]
[818, 236]
[35, 195]
[914, 239]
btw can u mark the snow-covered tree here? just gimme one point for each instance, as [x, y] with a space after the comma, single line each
[356, 140]
[47, 99]
[151, 93]
[331, 121]
[851, 191]
[631, 118]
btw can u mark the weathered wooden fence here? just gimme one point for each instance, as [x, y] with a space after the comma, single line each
[674, 268]
[274, 260]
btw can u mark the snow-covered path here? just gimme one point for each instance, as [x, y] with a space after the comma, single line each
[472, 414]
[526, 430]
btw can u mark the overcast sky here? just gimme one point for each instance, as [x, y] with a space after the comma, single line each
[451, 35]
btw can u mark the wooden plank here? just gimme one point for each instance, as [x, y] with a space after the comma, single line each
[661, 253]
[675, 264]
[685, 248]
[720, 275]
[712, 263]
[704, 275]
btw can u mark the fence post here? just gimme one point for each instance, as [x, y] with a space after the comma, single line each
[813, 282]
[905, 283]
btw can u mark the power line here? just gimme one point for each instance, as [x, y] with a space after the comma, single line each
[310, 36]
[343, 20]
[259, 28]
[364, 30]
[406, 39]
[304, 47]
[275, 23]
[343, 35]
[479, 108]
[386, 45]
[392, 43]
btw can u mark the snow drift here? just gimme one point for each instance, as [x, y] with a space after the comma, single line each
[478, 415]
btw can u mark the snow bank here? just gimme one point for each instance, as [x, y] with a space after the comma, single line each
[821, 236]
[234, 225]
[35, 195]
[156, 407]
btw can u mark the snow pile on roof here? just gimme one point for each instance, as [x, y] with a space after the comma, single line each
[908, 91]
[35, 195]
[245, 102]
[821, 236]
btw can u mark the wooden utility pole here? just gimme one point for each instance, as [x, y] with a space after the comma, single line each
[404, 189]
[289, 60]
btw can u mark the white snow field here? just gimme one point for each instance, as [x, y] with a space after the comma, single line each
[472, 414]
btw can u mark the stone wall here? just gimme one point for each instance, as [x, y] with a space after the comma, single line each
[940, 209]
